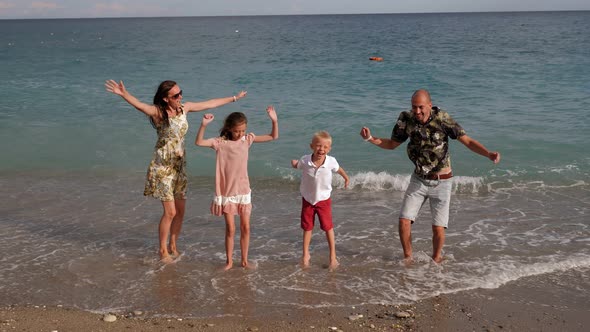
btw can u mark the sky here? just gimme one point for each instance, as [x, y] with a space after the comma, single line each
[18, 9]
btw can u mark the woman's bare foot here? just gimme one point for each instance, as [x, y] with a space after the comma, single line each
[166, 259]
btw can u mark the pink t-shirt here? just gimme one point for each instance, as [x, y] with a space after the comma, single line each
[232, 185]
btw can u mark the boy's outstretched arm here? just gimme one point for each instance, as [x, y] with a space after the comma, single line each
[200, 141]
[344, 176]
[274, 134]
[294, 163]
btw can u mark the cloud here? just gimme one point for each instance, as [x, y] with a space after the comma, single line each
[110, 7]
[131, 8]
[37, 5]
[6, 5]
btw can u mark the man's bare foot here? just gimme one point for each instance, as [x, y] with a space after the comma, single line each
[408, 261]
[333, 265]
[305, 261]
[437, 259]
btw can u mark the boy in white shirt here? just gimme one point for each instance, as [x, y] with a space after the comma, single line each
[316, 186]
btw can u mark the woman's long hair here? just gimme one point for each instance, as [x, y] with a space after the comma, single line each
[232, 120]
[160, 103]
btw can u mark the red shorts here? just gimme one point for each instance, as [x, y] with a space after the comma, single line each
[324, 211]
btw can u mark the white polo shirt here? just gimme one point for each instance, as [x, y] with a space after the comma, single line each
[316, 183]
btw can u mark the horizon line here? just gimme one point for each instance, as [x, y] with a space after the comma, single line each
[324, 14]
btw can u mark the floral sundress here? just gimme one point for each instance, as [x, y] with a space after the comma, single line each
[166, 176]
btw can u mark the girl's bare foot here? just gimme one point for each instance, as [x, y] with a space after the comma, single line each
[333, 265]
[228, 266]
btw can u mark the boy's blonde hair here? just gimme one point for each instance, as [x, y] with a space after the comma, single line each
[322, 134]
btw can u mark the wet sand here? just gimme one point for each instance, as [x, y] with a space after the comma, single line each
[529, 304]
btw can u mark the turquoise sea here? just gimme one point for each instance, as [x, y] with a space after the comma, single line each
[75, 229]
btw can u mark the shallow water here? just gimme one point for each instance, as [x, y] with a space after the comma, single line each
[94, 247]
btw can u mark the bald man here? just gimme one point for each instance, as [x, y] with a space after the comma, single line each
[429, 129]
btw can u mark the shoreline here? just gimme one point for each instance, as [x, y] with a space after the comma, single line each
[528, 304]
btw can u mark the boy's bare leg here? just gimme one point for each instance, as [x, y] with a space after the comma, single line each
[438, 240]
[245, 238]
[405, 236]
[332, 244]
[230, 231]
[306, 241]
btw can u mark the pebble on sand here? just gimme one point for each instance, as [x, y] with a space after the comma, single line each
[109, 318]
[403, 314]
[355, 317]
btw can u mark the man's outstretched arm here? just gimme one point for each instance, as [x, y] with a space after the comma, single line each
[478, 148]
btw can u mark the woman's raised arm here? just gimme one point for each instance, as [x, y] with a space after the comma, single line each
[119, 90]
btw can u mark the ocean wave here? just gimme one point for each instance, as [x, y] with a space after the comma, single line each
[384, 181]
[399, 182]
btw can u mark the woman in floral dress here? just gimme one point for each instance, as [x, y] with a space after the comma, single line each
[166, 177]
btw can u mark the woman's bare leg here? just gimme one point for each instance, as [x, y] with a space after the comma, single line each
[176, 226]
[164, 229]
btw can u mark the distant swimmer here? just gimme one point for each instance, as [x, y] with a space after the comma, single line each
[428, 128]
[376, 58]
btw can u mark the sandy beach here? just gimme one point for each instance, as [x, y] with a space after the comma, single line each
[529, 304]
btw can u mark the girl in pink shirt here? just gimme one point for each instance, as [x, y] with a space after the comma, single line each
[232, 185]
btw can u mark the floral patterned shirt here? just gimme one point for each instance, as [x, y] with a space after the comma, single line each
[428, 148]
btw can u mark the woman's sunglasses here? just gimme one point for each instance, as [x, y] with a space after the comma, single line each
[176, 96]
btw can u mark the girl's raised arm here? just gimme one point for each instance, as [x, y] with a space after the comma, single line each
[212, 103]
[274, 134]
[119, 90]
[200, 141]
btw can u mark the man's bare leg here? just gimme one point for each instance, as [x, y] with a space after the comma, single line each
[405, 236]
[438, 240]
